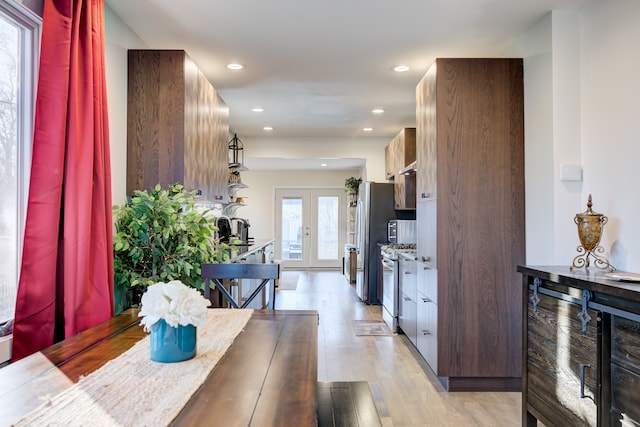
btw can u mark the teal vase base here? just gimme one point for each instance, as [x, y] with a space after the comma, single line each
[170, 345]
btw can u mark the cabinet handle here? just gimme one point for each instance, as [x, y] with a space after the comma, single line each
[425, 332]
[406, 298]
[425, 299]
[425, 195]
[426, 259]
[217, 197]
[582, 368]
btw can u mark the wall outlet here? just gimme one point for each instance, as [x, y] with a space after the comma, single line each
[570, 173]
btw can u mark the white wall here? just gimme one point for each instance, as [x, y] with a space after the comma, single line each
[581, 102]
[610, 119]
[369, 149]
[118, 38]
[535, 48]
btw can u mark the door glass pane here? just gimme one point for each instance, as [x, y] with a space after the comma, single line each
[9, 85]
[291, 239]
[328, 222]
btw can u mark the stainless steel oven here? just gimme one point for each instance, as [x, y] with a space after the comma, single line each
[389, 271]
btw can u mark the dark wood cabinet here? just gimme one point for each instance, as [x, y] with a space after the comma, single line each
[563, 358]
[389, 162]
[404, 185]
[581, 352]
[470, 219]
[400, 153]
[177, 125]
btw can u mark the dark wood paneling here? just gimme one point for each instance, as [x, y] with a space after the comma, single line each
[480, 215]
[346, 404]
[177, 126]
[470, 154]
[403, 148]
[471, 384]
[426, 133]
[557, 348]
[625, 400]
[625, 370]
[155, 119]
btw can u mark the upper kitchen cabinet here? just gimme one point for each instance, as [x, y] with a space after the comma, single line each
[400, 153]
[177, 125]
[426, 136]
[389, 162]
[470, 219]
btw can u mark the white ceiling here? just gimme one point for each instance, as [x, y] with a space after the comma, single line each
[319, 67]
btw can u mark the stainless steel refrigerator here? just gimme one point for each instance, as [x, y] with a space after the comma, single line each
[375, 208]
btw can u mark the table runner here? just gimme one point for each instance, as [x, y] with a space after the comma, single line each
[133, 390]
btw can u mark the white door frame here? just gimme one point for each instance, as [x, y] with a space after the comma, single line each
[309, 255]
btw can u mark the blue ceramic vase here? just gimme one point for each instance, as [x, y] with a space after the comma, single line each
[169, 344]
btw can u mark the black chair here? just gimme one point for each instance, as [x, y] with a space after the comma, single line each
[219, 272]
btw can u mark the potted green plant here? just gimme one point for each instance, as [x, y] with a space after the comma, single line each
[352, 184]
[161, 236]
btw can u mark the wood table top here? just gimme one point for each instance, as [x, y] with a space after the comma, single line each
[268, 377]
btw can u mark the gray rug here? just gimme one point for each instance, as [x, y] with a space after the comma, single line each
[371, 328]
[288, 280]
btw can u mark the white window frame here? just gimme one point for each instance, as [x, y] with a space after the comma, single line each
[31, 30]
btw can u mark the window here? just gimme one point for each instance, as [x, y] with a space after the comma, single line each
[19, 47]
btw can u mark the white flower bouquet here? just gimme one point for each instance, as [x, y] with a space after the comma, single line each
[175, 302]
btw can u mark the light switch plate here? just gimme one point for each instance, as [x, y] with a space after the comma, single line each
[570, 173]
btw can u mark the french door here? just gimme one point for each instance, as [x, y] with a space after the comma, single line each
[310, 227]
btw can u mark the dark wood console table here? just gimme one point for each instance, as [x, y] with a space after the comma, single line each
[268, 376]
[581, 348]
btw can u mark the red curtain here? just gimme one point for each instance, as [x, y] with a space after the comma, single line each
[66, 280]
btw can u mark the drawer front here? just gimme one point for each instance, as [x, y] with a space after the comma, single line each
[427, 341]
[625, 399]
[427, 281]
[625, 371]
[407, 314]
[557, 349]
[625, 341]
[407, 280]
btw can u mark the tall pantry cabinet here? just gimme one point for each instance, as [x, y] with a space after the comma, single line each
[177, 125]
[470, 221]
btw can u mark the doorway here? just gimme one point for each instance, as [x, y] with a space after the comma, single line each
[310, 227]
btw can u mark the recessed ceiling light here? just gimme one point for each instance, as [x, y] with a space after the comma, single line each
[401, 68]
[367, 129]
[257, 109]
[324, 165]
[267, 128]
[234, 66]
[377, 111]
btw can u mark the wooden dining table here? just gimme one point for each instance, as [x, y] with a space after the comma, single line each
[267, 377]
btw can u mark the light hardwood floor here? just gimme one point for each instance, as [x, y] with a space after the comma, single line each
[405, 390]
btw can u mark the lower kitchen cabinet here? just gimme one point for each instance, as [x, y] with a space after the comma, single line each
[427, 329]
[427, 301]
[581, 352]
[407, 305]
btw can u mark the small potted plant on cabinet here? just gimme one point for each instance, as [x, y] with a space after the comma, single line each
[352, 184]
